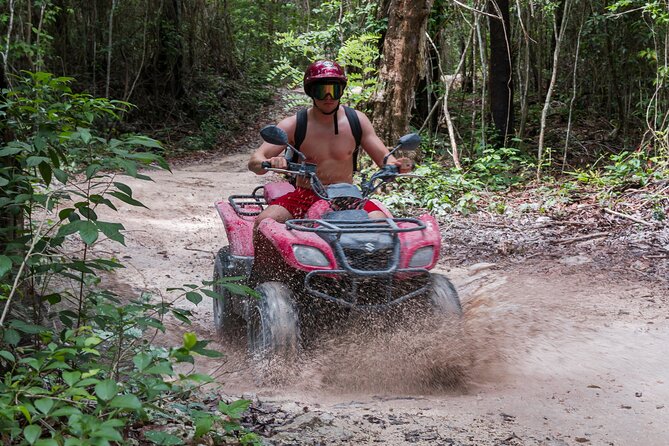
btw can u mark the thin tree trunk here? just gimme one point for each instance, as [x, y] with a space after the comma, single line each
[8, 39]
[524, 88]
[109, 46]
[556, 55]
[484, 81]
[573, 96]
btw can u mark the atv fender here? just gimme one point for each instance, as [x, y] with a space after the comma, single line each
[413, 241]
[238, 228]
[283, 240]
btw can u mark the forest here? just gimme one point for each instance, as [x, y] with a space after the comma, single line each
[566, 98]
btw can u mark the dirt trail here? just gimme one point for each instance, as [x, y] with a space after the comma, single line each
[558, 351]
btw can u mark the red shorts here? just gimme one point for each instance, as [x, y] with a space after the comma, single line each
[300, 200]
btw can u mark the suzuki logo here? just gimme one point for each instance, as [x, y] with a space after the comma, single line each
[369, 247]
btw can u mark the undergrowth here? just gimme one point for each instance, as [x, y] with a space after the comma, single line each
[76, 363]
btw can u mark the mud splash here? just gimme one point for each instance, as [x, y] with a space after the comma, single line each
[373, 356]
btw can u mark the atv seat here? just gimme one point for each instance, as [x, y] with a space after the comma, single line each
[276, 190]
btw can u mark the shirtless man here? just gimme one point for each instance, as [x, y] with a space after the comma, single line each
[331, 151]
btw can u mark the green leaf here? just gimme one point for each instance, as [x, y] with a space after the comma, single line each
[31, 433]
[33, 161]
[203, 425]
[71, 378]
[199, 378]
[7, 355]
[5, 265]
[26, 328]
[47, 442]
[142, 361]
[44, 405]
[46, 172]
[9, 151]
[112, 231]
[88, 232]
[144, 141]
[235, 409]
[182, 315]
[194, 297]
[123, 188]
[11, 337]
[108, 433]
[190, 340]
[126, 198]
[126, 402]
[85, 135]
[65, 412]
[163, 438]
[92, 170]
[106, 390]
[163, 368]
[207, 352]
[60, 175]
[26, 413]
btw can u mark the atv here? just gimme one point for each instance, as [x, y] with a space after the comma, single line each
[315, 270]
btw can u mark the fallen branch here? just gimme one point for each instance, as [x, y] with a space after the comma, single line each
[583, 237]
[629, 217]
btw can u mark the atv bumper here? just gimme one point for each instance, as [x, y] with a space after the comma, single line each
[386, 290]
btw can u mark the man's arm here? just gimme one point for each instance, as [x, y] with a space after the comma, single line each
[376, 149]
[273, 153]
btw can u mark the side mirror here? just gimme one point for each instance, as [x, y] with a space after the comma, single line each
[410, 141]
[274, 135]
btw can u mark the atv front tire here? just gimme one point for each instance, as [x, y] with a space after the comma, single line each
[444, 297]
[229, 325]
[272, 327]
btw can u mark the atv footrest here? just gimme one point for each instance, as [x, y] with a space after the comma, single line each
[388, 285]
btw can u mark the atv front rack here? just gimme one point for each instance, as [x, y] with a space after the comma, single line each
[249, 205]
[333, 231]
[387, 282]
[380, 225]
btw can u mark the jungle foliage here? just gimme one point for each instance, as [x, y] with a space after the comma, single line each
[588, 110]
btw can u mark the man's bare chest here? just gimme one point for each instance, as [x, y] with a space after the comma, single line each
[323, 144]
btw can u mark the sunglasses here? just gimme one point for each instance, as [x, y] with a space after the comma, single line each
[320, 91]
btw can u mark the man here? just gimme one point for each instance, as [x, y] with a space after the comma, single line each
[331, 151]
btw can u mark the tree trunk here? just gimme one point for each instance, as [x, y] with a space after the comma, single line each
[501, 65]
[404, 42]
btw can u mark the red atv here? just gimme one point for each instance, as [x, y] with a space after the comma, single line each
[333, 262]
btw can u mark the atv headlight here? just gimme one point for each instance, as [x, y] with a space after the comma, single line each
[308, 255]
[422, 257]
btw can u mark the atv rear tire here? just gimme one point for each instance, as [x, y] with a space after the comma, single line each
[444, 297]
[229, 325]
[272, 328]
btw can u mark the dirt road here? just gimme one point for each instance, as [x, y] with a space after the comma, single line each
[559, 349]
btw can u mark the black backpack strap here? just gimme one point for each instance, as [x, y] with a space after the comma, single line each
[300, 129]
[356, 129]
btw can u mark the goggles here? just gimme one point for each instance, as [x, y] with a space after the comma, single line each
[320, 91]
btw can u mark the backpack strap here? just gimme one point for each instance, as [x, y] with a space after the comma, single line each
[356, 129]
[300, 128]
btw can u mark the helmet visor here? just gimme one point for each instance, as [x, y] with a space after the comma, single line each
[320, 91]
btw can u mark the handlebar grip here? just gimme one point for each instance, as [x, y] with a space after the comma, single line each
[265, 164]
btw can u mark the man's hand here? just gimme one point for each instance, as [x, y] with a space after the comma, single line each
[405, 165]
[278, 162]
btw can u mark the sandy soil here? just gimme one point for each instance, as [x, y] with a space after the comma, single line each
[557, 349]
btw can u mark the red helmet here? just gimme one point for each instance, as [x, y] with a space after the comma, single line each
[322, 70]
